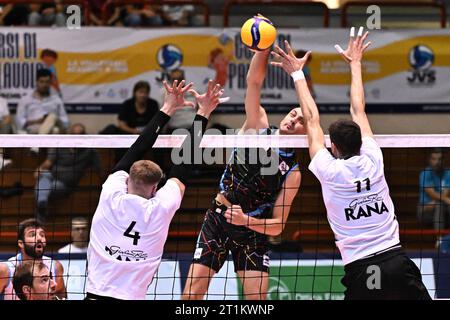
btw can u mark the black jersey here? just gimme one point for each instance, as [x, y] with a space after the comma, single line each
[244, 184]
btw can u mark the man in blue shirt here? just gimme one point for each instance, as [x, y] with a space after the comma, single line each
[434, 196]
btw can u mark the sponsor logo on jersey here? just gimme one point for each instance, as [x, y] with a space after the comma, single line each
[365, 207]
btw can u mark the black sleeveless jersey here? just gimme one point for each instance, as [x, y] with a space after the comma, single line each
[243, 182]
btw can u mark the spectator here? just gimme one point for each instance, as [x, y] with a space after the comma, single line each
[60, 173]
[48, 14]
[14, 15]
[40, 111]
[31, 241]
[434, 193]
[79, 235]
[49, 57]
[141, 15]
[180, 16]
[136, 112]
[33, 281]
[5, 128]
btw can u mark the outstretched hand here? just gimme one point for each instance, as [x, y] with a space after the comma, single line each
[288, 61]
[356, 47]
[174, 97]
[208, 101]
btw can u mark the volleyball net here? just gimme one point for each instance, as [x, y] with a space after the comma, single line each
[304, 261]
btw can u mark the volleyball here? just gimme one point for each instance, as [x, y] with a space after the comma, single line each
[258, 33]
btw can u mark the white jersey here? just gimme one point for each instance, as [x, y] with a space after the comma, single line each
[127, 238]
[359, 208]
[12, 262]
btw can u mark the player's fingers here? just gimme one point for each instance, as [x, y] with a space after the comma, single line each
[276, 55]
[174, 85]
[338, 48]
[190, 104]
[216, 89]
[180, 85]
[166, 86]
[224, 99]
[210, 85]
[194, 93]
[364, 37]
[366, 45]
[359, 36]
[306, 56]
[218, 93]
[276, 64]
[289, 49]
[352, 37]
[187, 88]
[280, 52]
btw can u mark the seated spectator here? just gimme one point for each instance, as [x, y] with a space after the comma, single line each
[48, 14]
[79, 235]
[40, 111]
[135, 112]
[14, 15]
[179, 16]
[5, 128]
[33, 281]
[141, 15]
[434, 193]
[60, 173]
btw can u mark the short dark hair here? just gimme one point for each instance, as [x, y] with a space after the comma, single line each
[23, 276]
[43, 73]
[27, 224]
[141, 85]
[346, 135]
[49, 53]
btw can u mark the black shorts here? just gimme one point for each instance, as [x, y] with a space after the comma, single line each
[217, 238]
[387, 276]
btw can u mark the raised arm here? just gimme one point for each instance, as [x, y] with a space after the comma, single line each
[256, 117]
[353, 55]
[293, 66]
[173, 100]
[207, 103]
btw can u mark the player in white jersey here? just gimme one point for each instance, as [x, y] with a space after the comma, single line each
[131, 222]
[31, 242]
[356, 195]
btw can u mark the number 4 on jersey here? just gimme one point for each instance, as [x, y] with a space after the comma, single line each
[134, 236]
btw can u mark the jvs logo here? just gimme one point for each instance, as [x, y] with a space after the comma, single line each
[421, 59]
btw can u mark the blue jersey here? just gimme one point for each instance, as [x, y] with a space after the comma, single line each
[243, 183]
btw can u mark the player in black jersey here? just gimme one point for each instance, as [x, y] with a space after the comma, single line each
[251, 205]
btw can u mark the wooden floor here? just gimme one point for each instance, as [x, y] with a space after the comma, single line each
[307, 227]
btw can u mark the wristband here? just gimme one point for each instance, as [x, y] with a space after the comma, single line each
[298, 75]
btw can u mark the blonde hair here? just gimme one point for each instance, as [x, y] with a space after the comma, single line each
[145, 172]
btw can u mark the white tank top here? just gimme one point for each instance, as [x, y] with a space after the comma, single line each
[12, 262]
[359, 208]
[127, 238]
